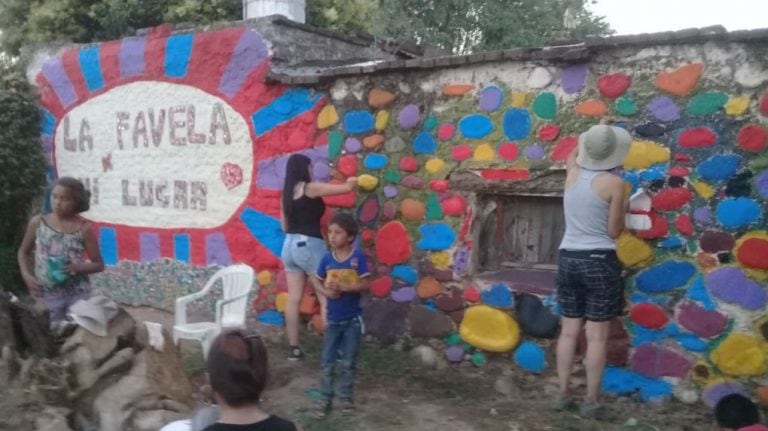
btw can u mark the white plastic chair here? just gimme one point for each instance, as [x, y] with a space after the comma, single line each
[236, 283]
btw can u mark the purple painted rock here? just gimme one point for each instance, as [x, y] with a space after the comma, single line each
[454, 354]
[461, 260]
[386, 320]
[704, 323]
[450, 301]
[491, 98]
[534, 152]
[715, 242]
[731, 285]
[573, 78]
[714, 392]
[353, 145]
[409, 117]
[388, 212]
[761, 183]
[426, 323]
[321, 171]
[664, 109]
[390, 191]
[404, 294]
[412, 182]
[703, 216]
[653, 361]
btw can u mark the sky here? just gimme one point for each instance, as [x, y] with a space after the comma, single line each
[650, 16]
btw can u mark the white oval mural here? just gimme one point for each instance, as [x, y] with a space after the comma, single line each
[150, 164]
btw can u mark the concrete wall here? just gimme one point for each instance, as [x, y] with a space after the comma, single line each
[179, 197]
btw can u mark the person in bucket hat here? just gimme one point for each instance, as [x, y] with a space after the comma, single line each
[589, 286]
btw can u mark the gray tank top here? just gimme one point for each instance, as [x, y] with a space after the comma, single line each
[586, 216]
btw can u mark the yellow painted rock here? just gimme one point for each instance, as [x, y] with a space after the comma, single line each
[367, 182]
[434, 166]
[281, 301]
[382, 119]
[643, 154]
[327, 117]
[519, 99]
[737, 105]
[441, 259]
[633, 251]
[703, 189]
[264, 278]
[489, 329]
[483, 152]
[740, 355]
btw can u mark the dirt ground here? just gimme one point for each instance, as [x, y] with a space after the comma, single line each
[395, 392]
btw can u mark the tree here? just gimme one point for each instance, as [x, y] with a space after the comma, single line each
[464, 26]
[346, 16]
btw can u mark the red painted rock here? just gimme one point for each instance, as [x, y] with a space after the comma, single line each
[682, 81]
[412, 210]
[659, 227]
[715, 242]
[654, 361]
[345, 200]
[438, 185]
[753, 253]
[368, 211]
[752, 138]
[428, 287]
[618, 344]
[409, 164]
[412, 182]
[381, 287]
[564, 147]
[454, 206]
[461, 152]
[446, 131]
[764, 104]
[698, 137]
[704, 323]
[649, 315]
[450, 301]
[549, 132]
[393, 244]
[508, 151]
[671, 199]
[348, 165]
[367, 235]
[613, 85]
[680, 157]
[684, 225]
[679, 171]
[471, 294]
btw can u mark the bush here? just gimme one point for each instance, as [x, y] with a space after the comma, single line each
[21, 166]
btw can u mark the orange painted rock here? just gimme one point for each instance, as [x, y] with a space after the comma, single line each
[682, 81]
[393, 244]
[429, 287]
[373, 142]
[380, 98]
[457, 89]
[412, 210]
[309, 304]
[592, 108]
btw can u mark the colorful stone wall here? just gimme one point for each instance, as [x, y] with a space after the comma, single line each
[183, 144]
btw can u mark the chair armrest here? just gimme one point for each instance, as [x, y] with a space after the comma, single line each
[222, 302]
[180, 310]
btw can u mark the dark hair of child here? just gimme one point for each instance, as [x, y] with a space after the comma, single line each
[736, 411]
[237, 367]
[345, 222]
[80, 195]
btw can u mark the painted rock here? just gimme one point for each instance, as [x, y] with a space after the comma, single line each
[574, 78]
[424, 143]
[664, 109]
[335, 140]
[281, 301]
[444, 275]
[564, 147]
[508, 151]
[752, 251]
[404, 294]
[394, 145]
[684, 225]
[719, 389]
[429, 287]
[680, 82]
[446, 131]
[592, 108]
[373, 142]
[409, 164]
[649, 315]
[357, 122]
[549, 132]
[632, 250]
[534, 318]
[454, 206]
[719, 167]
[379, 98]
[348, 165]
[412, 182]
[737, 105]
[703, 216]
[499, 295]
[671, 199]
[454, 354]
[545, 106]
[704, 323]
[491, 98]
[715, 242]
[644, 154]
[740, 185]
[405, 273]
[516, 124]
[762, 395]
[650, 130]
[436, 237]
[375, 161]
[368, 211]
[659, 227]
[386, 320]
[409, 117]
[489, 329]
[411, 209]
[613, 85]
[425, 323]
[476, 126]
[731, 285]
[698, 137]
[271, 317]
[438, 185]
[382, 120]
[707, 103]
[483, 152]
[457, 89]
[461, 152]
[367, 182]
[434, 210]
[665, 276]
[626, 106]
[434, 166]
[540, 77]
[654, 361]
[353, 145]
[534, 152]
[761, 184]
[327, 117]
[679, 171]
[752, 138]
[392, 244]
[440, 259]
[450, 301]
[471, 294]
[388, 212]
[764, 104]
[390, 192]
[740, 354]
[735, 213]
[530, 357]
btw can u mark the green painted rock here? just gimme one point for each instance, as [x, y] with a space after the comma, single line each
[434, 211]
[545, 106]
[453, 339]
[478, 359]
[626, 106]
[707, 103]
[392, 176]
[430, 123]
[335, 141]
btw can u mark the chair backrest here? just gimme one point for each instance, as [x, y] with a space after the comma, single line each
[236, 280]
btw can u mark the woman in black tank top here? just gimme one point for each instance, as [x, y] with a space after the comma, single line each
[302, 207]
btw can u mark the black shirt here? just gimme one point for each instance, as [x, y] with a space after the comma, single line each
[305, 216]
[272, 423]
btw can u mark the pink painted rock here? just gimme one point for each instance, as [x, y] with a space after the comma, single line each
[653, 361]
[412, 182]
[613, 85]
[461, 152]
[393, 245]
[438, 185]
[409, 164]
[388, 212]
[454, 206]
[704, 323]
[450, 301]
[381, 287]
[446, 131]
[549, 132]
[471, 294]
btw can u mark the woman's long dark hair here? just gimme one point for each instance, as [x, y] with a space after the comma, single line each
[296, 171]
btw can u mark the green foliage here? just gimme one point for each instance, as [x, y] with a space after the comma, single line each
[21, 166]
[346, 16]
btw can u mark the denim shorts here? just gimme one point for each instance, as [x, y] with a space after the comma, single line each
[589, 284]
[302, 253]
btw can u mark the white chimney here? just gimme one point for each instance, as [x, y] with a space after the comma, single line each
[291, 9]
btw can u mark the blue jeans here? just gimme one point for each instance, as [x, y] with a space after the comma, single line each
[342, 342]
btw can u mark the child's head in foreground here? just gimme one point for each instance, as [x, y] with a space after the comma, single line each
[735, 411]
[237, 368]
